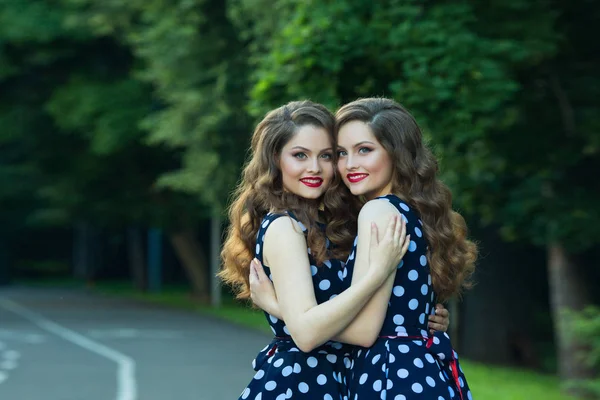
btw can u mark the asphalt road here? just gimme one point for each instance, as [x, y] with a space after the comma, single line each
[73, 345]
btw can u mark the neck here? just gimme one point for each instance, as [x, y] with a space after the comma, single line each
[387, 189]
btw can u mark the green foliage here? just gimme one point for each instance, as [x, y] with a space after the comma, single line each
[106, 113]
[70, 110]
[548, 192]
[495, 87]
[586, 330]
[142, 110]
[191, 55]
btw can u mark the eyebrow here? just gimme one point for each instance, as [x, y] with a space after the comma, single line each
[309, 151]
[358, 144]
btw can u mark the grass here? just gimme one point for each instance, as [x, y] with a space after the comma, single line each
[502, 383]
[487, 382]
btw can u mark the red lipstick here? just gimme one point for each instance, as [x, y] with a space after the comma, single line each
[355, 178]
[312, 181]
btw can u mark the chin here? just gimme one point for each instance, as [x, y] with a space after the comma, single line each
[356, 191]
[311, 195]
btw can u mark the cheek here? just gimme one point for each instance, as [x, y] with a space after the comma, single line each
[341, 165]
[379, 164]
[289, 168]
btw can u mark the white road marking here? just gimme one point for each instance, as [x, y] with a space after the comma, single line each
[11, 355]
[8, 364]
[8, 361]
[126, 383]
[21, 336]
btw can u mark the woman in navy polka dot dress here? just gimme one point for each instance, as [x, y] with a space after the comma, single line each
[275, 218]
[383, 158]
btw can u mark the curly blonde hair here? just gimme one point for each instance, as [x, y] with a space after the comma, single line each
[261, 191]
[451, 255]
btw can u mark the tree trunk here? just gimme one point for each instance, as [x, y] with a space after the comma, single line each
[88, 252]
[192, 257]
[568, 292]
[80, 250]
[135, 252]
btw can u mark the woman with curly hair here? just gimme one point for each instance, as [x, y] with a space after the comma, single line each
[384, 161]
[276, 218]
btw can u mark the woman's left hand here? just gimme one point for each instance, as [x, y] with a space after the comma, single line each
[440, 321]
[262, 291]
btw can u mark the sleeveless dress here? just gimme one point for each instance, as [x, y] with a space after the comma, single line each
[283, 371]
[407, 363]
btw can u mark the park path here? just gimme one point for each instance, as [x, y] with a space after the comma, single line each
[67, 344]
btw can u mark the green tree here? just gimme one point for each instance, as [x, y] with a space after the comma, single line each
[191, 56]
[72, 104]
[546, 192]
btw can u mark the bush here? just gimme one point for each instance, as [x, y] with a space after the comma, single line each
[586, 329]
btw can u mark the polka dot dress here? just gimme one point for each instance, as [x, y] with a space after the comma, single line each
[282, 370]
[407, 363]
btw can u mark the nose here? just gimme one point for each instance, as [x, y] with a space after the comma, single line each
[314, 167]
[350, 165]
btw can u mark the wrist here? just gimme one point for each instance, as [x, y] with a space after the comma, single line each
[274, 309]
[375, 276]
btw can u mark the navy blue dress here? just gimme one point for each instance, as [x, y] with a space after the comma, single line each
[282, 370]
[406, 362]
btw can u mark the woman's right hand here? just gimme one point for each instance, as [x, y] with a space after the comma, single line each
[386, 254]
[262, 291]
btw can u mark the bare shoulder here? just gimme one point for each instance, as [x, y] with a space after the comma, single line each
[283, 240]
[283, 226]
[377, 209]
[283, 233]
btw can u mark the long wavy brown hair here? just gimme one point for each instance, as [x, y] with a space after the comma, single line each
[451, 255]
[261, 191]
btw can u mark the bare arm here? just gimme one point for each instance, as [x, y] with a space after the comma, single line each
[263, 295]
[365, 328]
[311, 325]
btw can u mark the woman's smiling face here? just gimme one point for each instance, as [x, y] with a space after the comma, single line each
[306, 162]
[365, 166]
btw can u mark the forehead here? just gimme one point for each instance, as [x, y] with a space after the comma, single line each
[354, 132]
[310, 137]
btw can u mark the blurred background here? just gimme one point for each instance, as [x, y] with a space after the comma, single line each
[123, 128]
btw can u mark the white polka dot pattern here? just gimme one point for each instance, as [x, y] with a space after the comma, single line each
[414, 368]
[282, 370]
